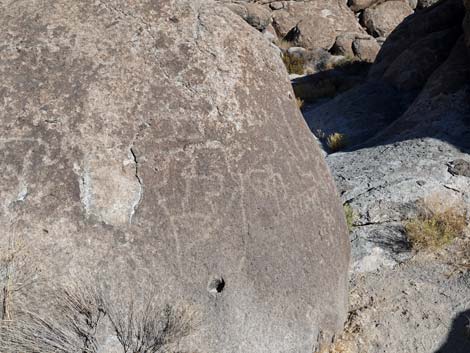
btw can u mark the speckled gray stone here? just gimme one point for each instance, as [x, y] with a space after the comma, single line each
[143, 140]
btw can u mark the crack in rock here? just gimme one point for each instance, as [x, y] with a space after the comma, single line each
[137, 201]
[110, 190]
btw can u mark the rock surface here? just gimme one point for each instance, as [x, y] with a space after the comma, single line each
[365, 49]
[408, 128]
[406, 68]
[412, 68]
[144, 140]
[358, 5]
[386, 193]
[382, 19]
[424, 302]
[256, 15]
[445, 16]
[319, 22]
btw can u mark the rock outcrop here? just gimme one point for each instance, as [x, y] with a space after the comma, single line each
[144, 142]
[414, 52]
[382, 19]
[408, 129]
[350, 45]
[353, 29]
[319, 22]
[256, 15]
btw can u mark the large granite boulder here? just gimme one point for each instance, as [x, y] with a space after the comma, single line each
[142, 143]
[362, 46]
[422, 27]
[412, 68]
[382, 19]
[319, 22]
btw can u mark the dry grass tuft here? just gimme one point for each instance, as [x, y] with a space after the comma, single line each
[78, 312]
[35, 334]
[18, 271]
[300, 102]
[149, 327]
[435, 227]
[295, 64]
[336, 142]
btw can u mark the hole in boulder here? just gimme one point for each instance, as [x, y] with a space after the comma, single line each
[216, 285]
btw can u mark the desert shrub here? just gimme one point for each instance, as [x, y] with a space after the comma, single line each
[336, 142]
[350, 216]
[295, 64]
[434, 228]
[69, 328]
[18, 271]
[78, 310]
[149, 327]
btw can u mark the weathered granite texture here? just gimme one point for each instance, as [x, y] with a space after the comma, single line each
[143, 140]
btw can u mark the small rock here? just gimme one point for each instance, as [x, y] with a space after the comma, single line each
[366, 49]
[297, 51]
[413, 4]
[343, 45]
[460, 167]
[276, 5]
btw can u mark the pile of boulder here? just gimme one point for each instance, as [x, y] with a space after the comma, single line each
[407, 128]
[326, 32]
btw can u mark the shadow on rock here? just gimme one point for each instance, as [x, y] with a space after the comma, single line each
[417, 88]
[329, 83]
[458, 340]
